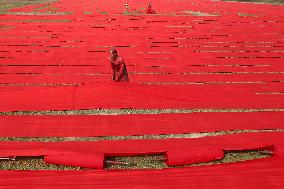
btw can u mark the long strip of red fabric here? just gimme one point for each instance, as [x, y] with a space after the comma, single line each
[140, 69]
[118, 125]
[139, 78]
[116, 95]
[258, 173]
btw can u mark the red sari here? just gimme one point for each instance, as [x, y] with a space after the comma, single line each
[119, 70]
[149, 10]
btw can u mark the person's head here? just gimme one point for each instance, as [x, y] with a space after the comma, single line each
[113, 54]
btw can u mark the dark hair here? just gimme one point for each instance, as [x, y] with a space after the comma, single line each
[113, 51]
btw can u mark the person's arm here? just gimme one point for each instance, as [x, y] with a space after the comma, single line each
[121, 69]
[112, 67]
[111, 63]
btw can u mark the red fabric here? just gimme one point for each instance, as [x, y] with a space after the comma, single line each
[193, 155]
[225, 8]
[134, 96]
[91, 69]
[156, 63]
[138, 78]
[86, 160]
[260, 173]
[132, 147]
[144, 40]
[118, 125]
[235, 88]
[174, 157]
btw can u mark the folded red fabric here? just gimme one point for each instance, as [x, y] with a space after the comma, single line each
[194, 155]
[90, 160]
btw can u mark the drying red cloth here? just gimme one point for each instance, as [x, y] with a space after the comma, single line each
[119, 70]
[136, 124]
[86, 160]
[261, 173]
[193, 155]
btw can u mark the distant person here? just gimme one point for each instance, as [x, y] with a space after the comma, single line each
[118, 67]
[149, 10]
[126, 8]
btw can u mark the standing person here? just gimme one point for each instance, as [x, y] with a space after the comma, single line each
[149, 9]
[118, 67]
[126, 8]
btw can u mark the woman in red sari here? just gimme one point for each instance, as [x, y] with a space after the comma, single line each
[149, 9]
[118, 67]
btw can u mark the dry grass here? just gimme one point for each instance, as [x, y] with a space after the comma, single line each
[132, 111]
[134, 162]
[6, 5]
